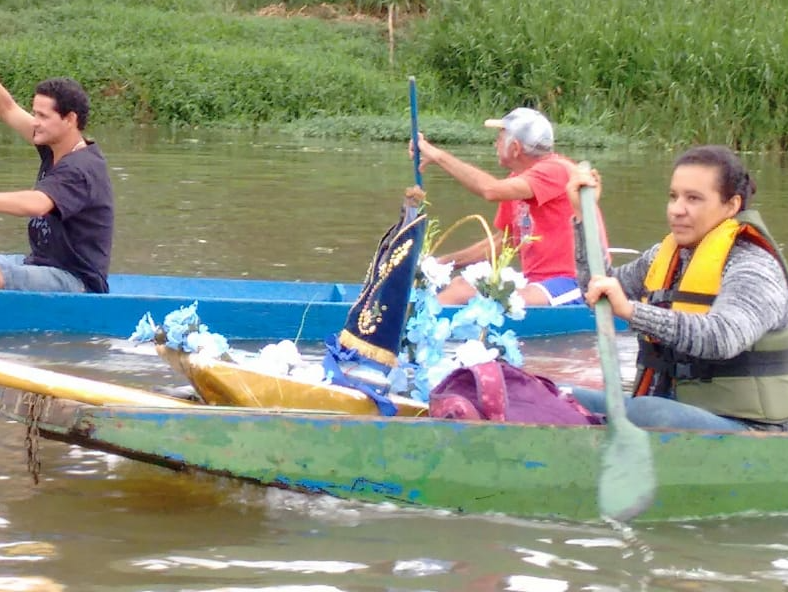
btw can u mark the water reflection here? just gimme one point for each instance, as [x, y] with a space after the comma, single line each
[255, 205]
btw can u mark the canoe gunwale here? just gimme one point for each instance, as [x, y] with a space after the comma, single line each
[236, 308]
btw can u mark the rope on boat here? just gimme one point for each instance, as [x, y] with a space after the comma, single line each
[35, 407]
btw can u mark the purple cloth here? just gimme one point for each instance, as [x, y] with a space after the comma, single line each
[498, 391]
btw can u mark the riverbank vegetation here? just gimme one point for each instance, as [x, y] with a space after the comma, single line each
[665, 72]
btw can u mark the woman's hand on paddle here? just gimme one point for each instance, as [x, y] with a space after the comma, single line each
[580, 178]
[427, 152]
[602, 285]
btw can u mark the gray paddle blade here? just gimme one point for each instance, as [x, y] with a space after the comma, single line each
[627, 481]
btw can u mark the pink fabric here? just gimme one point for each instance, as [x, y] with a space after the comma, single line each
[490, 390]
[551, 215]
[498, 391]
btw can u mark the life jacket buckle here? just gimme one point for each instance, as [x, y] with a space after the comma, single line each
[660, 297]
[684, 371]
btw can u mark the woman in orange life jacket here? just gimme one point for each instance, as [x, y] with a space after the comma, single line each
[709, 304]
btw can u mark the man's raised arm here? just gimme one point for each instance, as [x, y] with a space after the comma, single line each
[14, 116]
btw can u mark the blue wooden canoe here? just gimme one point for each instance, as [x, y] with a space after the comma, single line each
[475, 467]
[236, 308]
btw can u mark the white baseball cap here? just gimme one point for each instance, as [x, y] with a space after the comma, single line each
[527, 126]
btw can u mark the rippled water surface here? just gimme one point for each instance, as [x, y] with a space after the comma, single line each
[249, 205]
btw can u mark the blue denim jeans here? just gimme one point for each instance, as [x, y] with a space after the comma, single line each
[660, 412]
[36, 278]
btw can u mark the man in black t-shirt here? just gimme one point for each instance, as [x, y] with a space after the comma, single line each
[71, 208]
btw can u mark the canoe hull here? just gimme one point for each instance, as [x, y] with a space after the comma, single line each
[238, 309]
[229, 384]
[474, 467]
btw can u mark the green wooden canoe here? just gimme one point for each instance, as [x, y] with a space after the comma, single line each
[474, 467]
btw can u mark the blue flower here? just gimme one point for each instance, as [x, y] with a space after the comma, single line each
[183, 320]
[480, 311]
[146, 329]
[426, 335]
[511, 346]
[421, 386]
[425, 300]
[428, 354]
[486, 310]
[176, 336]
[420, 326]
[465, 331]
[398, 378]
[442, 330]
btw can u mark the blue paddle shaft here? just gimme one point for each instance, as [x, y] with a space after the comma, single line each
[414, 130]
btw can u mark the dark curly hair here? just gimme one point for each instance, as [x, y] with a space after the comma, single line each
[69, 96]
[732, 178]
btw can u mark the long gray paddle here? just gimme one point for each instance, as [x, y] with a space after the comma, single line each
[626, 481]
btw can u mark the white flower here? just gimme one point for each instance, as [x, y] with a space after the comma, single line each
[288, 352]
[207, 344]
[441, 370]
[476, 272]
[474, 352]
[437, 274]
[267, 364]
[516, 307]
[311, 373]
[276, 358]
[442, 330]
[508, 274]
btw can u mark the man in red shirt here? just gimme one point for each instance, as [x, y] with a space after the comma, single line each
[532, 201]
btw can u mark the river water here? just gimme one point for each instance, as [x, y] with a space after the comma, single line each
[254, 205]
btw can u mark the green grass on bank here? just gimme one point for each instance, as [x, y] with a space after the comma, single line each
[197, 67]
[674, 70]
[664, 72]
[440, 130]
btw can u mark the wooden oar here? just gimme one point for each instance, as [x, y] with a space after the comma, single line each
[626, 480]
[93, 392]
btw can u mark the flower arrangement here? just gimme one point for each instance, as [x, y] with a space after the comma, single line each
[426, 358]
[181, 330]
[433, 345]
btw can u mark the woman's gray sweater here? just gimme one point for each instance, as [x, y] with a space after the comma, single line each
[753, 300]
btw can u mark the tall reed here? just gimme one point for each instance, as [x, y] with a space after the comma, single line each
[701, 71]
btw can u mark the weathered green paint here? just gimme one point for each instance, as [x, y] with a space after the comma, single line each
[538, 471]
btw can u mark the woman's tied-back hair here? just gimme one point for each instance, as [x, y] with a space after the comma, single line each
[69, 96]
[732, 178]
